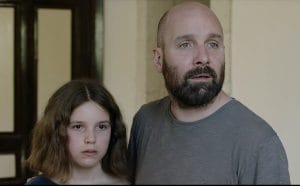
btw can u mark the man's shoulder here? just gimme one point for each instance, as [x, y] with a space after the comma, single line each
[249, 122]
[155, 105]
[150, 113]
[243, 113]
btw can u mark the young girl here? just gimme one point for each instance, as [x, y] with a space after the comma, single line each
[81, 138]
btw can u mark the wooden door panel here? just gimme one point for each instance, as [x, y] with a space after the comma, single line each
[24, 74]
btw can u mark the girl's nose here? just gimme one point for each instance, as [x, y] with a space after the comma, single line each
[90, 138]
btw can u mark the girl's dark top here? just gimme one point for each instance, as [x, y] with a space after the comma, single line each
[40, 180]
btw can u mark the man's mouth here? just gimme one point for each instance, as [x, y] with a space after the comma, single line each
[201, 76]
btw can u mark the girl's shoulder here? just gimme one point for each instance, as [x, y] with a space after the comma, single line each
[40, 180]
[110, 180]
[121, 182]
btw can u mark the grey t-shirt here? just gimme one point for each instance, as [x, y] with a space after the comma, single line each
[231, 146]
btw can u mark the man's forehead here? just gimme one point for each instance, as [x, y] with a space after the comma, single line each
[187, 7]
[190, 20]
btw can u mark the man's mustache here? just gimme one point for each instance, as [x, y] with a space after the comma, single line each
[198, 71]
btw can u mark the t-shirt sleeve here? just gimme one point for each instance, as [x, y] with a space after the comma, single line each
[132, 148]
[269, 164]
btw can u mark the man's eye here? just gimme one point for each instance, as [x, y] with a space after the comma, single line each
[213, 45]
[185, 45]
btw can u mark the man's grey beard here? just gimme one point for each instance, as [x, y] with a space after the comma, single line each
[193, 95]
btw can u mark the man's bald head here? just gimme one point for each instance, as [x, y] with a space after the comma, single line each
[180, 10]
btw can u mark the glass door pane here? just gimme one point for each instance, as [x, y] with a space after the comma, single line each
[6, 69]
[54, 52]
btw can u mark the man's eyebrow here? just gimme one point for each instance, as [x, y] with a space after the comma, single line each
[190, 36]
[184, 37]
[213, 35]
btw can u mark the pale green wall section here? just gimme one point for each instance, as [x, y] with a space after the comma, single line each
[265, 67]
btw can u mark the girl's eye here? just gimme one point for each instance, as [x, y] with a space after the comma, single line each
[76, 127]
[103, 126]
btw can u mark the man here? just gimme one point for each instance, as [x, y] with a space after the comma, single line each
[198, 134]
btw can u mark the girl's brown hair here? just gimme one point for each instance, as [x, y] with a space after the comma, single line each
[49, 150]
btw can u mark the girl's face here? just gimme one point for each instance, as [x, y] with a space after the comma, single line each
[89, 134]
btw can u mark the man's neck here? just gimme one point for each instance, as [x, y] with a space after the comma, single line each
[195, 114]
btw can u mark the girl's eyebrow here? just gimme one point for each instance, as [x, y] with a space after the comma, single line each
[75, 122]
[104, 121]
[100, 122]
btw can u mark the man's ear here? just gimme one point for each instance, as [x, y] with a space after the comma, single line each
[158, 59]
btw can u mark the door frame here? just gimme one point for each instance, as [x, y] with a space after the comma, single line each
[86, 61]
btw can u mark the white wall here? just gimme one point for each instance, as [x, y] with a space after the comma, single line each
[265, 67]
[121, 55]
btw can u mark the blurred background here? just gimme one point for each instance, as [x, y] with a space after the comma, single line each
[45, 43]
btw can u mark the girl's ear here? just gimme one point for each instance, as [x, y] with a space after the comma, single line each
[158, 59]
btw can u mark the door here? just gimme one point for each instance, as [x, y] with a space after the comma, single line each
[43, 43]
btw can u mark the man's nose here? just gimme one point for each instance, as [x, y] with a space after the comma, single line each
[201, 56]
